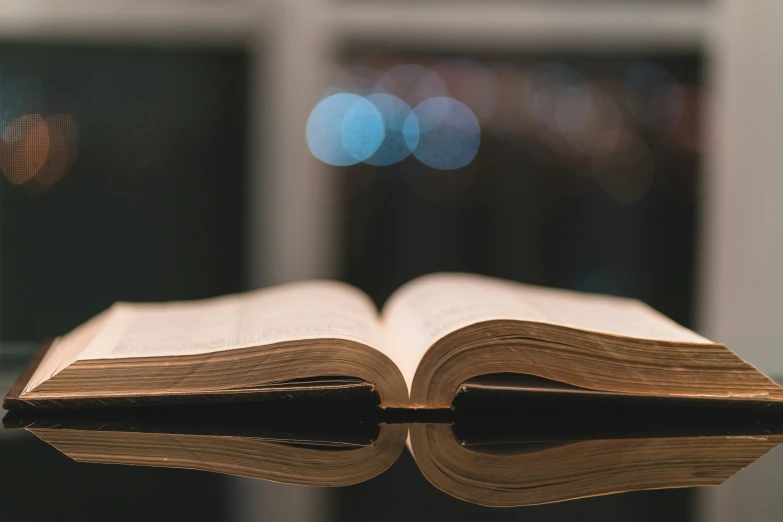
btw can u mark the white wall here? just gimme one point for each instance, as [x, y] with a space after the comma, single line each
[742, 263]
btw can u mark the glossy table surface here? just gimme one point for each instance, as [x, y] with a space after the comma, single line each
[318, 462]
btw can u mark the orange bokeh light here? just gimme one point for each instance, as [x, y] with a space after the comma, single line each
[38, 151]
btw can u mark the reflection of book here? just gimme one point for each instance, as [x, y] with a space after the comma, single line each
[306, 452]
[326, 338]
[544, 467]
[494, 462]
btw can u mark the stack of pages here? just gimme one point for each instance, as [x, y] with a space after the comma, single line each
[326, 339]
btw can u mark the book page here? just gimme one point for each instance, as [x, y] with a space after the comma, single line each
[65, 350]
[433, 306]
[293, 312]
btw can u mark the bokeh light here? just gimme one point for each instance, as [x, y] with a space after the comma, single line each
[350, 126]
[585, 121]
[588, 118]
[63, 149]
[574, 106]
[359, 80]
[660, 96]
[412, 83]
[37, 148]
[395, 113]
[37, 151]
[27, 148]
[547, 82]
[513, 89]
[627, 175]
[472, 83]
[344, 129]
[449, 133]
[362, 129]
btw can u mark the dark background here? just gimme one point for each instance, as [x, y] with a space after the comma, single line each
[524, 212]
[153, 209]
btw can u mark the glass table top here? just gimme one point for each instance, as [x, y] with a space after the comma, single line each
[260, 461]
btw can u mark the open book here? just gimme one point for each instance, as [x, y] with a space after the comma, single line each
[434, 334]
